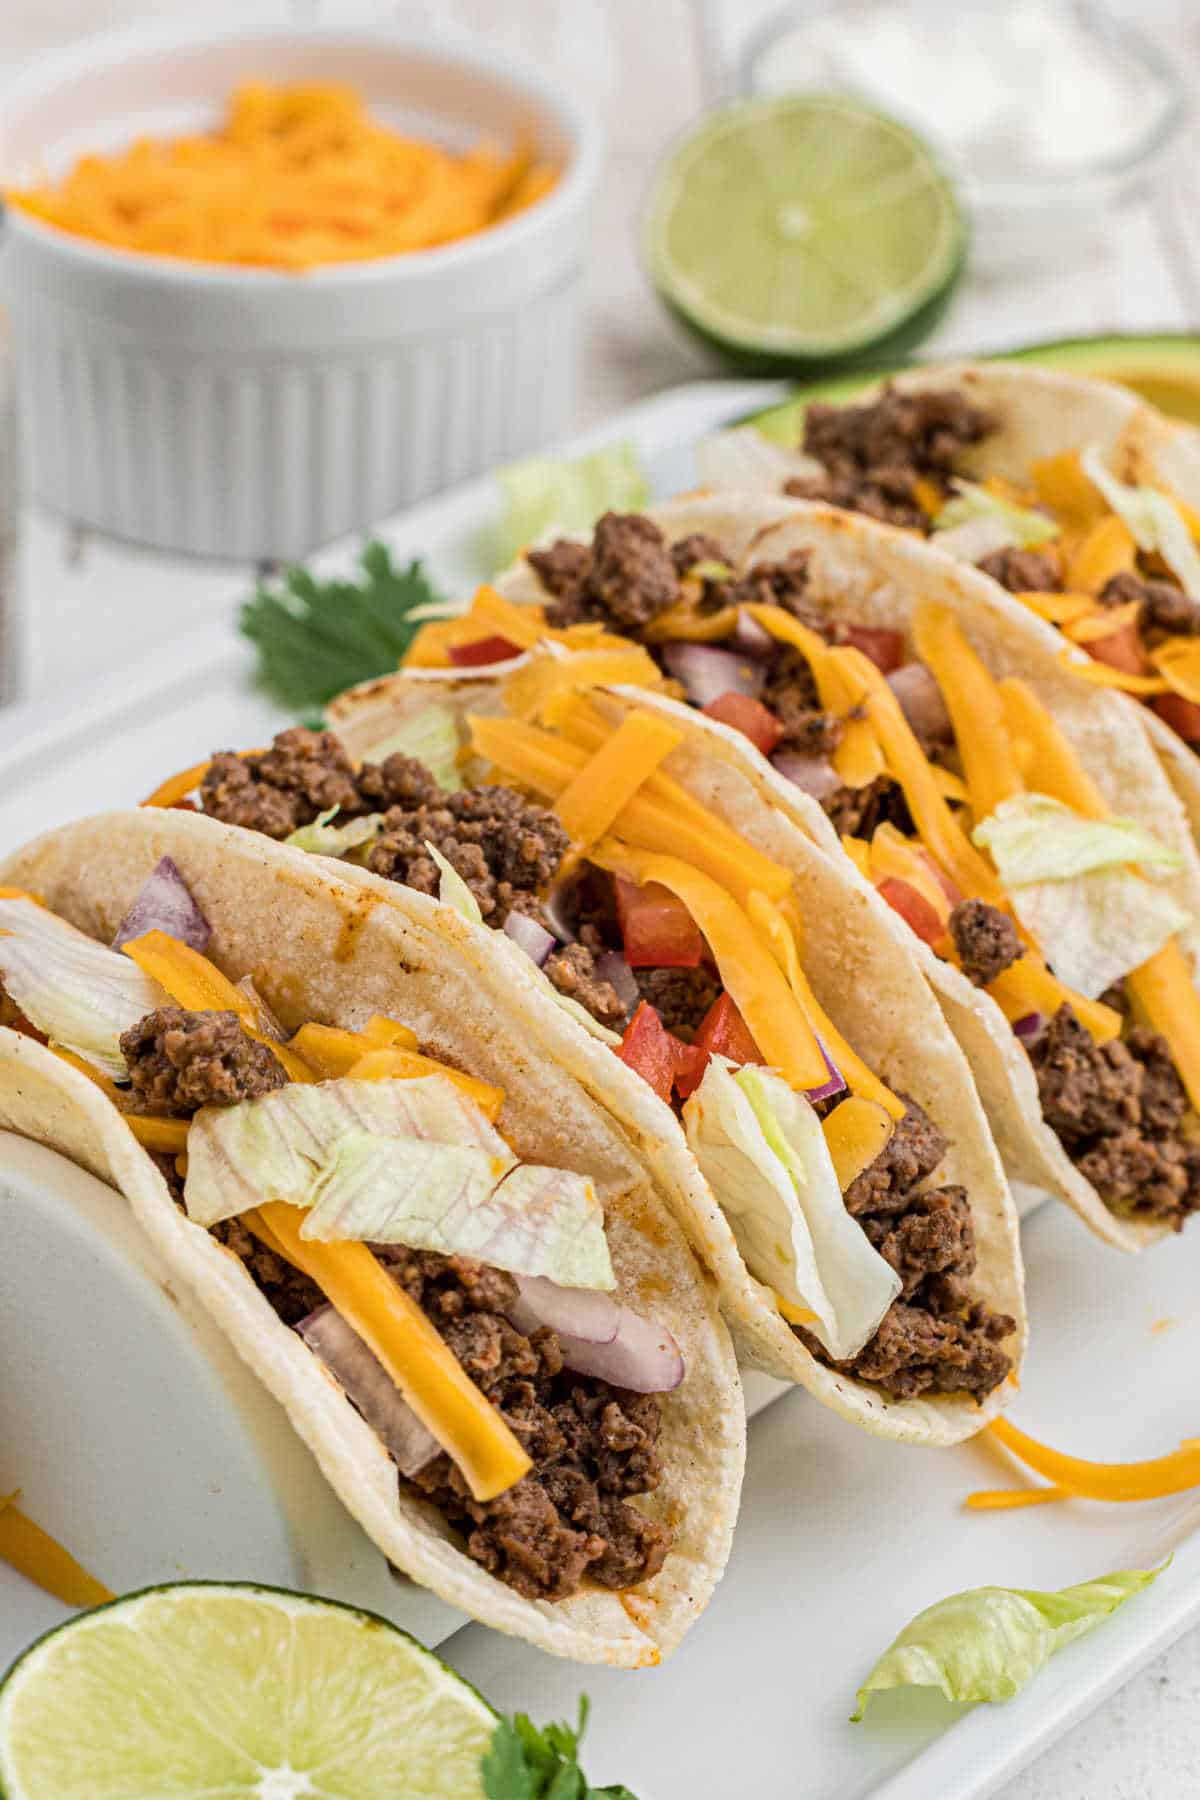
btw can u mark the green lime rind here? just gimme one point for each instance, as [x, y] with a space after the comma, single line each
[804, 232]
[194, 1687]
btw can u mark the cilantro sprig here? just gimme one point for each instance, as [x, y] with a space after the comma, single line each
[523, 1763]
[315, 638]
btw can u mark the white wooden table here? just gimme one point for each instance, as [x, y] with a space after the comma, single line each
[647, 66]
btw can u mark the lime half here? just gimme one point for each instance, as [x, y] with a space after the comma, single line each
[803, 232]
[228, 1691]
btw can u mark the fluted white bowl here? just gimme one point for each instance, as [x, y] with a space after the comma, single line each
[245, 412]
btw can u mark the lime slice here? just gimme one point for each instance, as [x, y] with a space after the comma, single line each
[228, 1691]
[804, 231]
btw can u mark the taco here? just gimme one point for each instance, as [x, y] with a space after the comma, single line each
[882, 695]
[855, 1214]
[1075, 495]
[379, 1160]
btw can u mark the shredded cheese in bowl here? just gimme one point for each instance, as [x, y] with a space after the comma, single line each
[295, 177]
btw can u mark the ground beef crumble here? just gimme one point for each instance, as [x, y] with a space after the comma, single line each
[180, 1061]
[986, 940]
[625, 578]
[304, 773]
[874, 455]
[1118, 1110]
[680, 996]
[572, 970]
[935, 1338]
[500, 843]
[1022, 571]
[1164, 610]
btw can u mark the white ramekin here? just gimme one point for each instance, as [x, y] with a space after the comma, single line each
[248, 413]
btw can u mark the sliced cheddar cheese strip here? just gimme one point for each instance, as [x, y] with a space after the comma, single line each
[591, 802]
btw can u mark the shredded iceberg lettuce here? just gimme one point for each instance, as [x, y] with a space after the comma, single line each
[742, 458]
[548, 494]
[1025, 526]
[453, 890]
[79, 993]
[323, 839]
[761, 1147]
[431, 736]
[1154, 519]
[987, 1643]
[1074, 889]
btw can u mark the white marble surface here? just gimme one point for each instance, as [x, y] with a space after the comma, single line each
[648, 65]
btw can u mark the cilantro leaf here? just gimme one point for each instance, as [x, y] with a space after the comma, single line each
[315, 638]
[523, 1763]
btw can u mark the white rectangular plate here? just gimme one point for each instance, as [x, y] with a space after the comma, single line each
[842, 1538]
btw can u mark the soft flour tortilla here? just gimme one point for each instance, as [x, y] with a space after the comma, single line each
[877, 576]
[1041, 412]
[318, 948]
[861, 964]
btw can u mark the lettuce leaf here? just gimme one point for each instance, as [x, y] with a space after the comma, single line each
[431, 736]
[985, 1644]
[79, 993]
[1154, 519]
[1073, 889]
[761, 1147]
[453, 890]
[742, 458]
[323, 839]
[1026, 526]
[547, 494]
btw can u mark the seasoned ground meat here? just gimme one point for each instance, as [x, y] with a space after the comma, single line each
[562, 569]
[303, 773]
[697, 547]
[1118, 1109]
[630, 576]
[1022, 571]
[593, 1446]
[791, 694]
[859, 812]
[500, 843]
[292, 1294]
[935, 1338]
[782, 584]
[180, 1061]
[397, 781]
[680, 996]
[573, 972]
[1164, 608]
[873, 455]
[986, 940]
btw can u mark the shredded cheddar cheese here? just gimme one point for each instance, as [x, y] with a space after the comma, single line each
[25, 1547]
[1150, 1480]
[295, 176]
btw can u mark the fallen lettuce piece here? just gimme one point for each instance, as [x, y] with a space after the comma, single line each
[453, 890]
[1025, 526]
[975, 538]
[430, 737]
[1073, 888]
[323, 839]
[548, 494]
[987, 1643]
[460, 1201]
[761, 1147]
[79, 993]
[1154, 519]
[239, 1155]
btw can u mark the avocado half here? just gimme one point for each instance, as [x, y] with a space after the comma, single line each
[1163, 367]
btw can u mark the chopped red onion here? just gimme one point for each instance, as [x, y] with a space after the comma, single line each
[560, 909]
[1029, 1026]
[815, 774]
[164, 903]
[583, 1314]
[366, 1383]
[612, 967]
[642, 1357]
[920, 700]
[707, 672]
[751, 638]
[529, 935]
[836, 1083]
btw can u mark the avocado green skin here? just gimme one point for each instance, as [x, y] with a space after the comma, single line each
[1164, 367]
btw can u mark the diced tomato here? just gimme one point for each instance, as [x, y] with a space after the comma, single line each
[1121, 650]
[481, 651]
[885, 648]
[913, 908]
[750, 717]
[690, 1064]
[657, 930]
[650, 1050]
[723, 1031]
[1181, 715]
[952, 893]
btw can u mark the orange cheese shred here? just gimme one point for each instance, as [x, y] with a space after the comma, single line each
[1093, 626]
[975, 708]
[1006, 1499]
[1108, 549]
[1164, 989]
[1103, 675]
[1062, 487]
[25, 1547]
[592, 801]
[1178, 662]
[406, 1065]
[1172, 1474]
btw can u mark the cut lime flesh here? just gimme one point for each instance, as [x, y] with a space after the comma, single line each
[204, 1691]
[804, 230]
